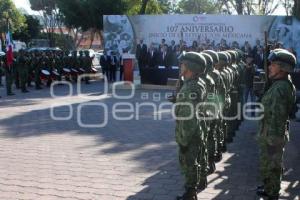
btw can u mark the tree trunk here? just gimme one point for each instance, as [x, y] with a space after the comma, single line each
[296, 9]
[93, 31]
[239, 7]
[79, 41]
[143, 7]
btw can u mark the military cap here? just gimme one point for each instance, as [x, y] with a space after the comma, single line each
[198, 62]
[209, 61]
[214, 55]
[284, 56]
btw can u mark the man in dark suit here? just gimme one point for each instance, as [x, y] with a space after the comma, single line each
[164, 57]
[259, 58]
[141, 54]
[105, 61]
[113, 67]
[152, 55]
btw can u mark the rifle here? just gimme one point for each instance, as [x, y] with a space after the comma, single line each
[266, 55]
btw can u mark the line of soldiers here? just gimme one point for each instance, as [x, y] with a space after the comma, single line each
[206, 106]
[45, 66]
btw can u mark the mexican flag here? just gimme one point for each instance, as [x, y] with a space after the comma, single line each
[9, 49]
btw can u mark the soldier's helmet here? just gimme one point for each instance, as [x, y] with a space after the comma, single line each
[209, 62]
[195, 61]
[287, 58]
[233, 55]
[214, 55]
[223, 58]
[80, 53]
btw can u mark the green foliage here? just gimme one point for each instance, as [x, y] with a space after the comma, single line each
[43, 5]
[9, 13]
[152, 7]
[60, 41]
[197, 7]
[88, 14]
[30, 31]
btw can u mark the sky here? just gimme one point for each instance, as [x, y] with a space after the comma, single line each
[26, 6]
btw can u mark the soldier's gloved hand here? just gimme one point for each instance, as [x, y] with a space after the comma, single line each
[183, 149]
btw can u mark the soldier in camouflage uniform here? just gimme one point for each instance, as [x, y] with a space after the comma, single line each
[87, 66]
[273, 130]
[36, 62]
[212, 114]
[220, 93]
[189, 135]
[22, 67]
[223, 97]
[8, 77]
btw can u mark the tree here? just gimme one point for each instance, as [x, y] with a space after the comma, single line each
[51, 16]
[30, 31]
[10, 15]
[248, 7]
[296, 9]
[196, 7]
[141, 7]
[83, 15]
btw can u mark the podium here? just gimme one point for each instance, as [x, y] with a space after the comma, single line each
[128, 62]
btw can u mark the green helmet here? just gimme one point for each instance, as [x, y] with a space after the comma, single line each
[223, 57]
[233, 55]
[195, 61]
[214, 55]
[287, 58]
[209, 61]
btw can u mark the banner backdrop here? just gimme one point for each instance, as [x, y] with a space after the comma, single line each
[122, 32]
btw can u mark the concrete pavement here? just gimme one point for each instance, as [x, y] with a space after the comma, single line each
[42, 158]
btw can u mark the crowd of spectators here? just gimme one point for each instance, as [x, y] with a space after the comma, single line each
[166, 54]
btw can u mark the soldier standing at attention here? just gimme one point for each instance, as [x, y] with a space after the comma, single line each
[22, 66]
[273, 130]
[189, 135]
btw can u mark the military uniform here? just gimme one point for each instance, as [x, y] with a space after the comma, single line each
[273, 129]
[22, 66]
[189, 134]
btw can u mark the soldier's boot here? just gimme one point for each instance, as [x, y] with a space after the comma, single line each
[202, 184]
[224, 148]
[25, 90]
[190, 194]
[218, 157]
[38, 87]
[49, 82]
[212, 166]
[262, 193]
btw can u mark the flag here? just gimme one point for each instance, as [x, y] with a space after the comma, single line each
[9, 49]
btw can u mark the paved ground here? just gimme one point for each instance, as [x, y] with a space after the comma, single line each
[42, 158]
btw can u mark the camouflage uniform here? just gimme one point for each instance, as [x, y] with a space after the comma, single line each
[219, 99]
[22, 66]
[189, 134]
[273, 129]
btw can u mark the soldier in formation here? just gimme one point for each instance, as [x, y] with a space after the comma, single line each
[206, 108]
[45, 66]
[273, 131]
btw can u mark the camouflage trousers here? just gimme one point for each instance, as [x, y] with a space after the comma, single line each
[212, 141]
[203, 157]
[271, 166]
[189, 164]
[220, 135]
